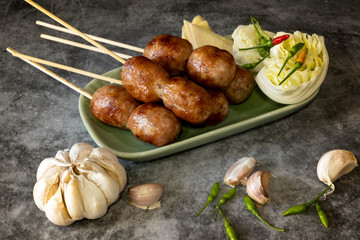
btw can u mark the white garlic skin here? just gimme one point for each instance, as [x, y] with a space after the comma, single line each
[334, 164]
[257, 186]
[78, 183]
[146, 196]
[239, 171]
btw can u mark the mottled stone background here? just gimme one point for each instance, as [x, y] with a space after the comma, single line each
[39, 116]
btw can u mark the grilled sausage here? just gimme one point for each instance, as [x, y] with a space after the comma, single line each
[211, 67]
[241, 86]
[186, 99]
[154, 124]
[139, 75]
[112, 104]
[171, 52]
[220, 107]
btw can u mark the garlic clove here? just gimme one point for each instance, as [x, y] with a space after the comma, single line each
[96, 174]
[72, 196]
[63, 156]
[257, 186]
[146, 196]
[334, 164]
[49, 163]
[95, 204]
[46, 187]
[80, 151]
[239, 171]
[108, 160]
[56, 211]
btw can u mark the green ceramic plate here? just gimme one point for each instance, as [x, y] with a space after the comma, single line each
[257, 110]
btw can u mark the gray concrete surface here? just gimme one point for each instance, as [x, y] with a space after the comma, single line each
[40, 116]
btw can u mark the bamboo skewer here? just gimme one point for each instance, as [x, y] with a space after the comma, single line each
[80, 45]
[67, 68]
[77, 32]
[54, 75]
[99, 39]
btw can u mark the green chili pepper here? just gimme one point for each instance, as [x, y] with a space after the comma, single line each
[226, 197]
[291, 53]
[230, 230]
[299, 62]
[253, 65]
[323, 218]
[213, 194]
[303, 207]
[252, 208]
[264, 52]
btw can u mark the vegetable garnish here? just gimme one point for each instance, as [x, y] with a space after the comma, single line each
[226, 197]
[230, 230]
[303, 207]
[213, 194]
[299, 62]
[250, 205]
[263, 38]
[269, 43]
[253, 65]
[291, 53]
[323, 218]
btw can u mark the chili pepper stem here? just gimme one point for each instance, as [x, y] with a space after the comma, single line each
[206, 204]
[253, 65]
[291, 53]
[213, 194]
[268, 38]
[227, 196]
[303, 207]
[292, 71]
[250, 205]
[319, 196]
[255, 47]
[261, 219]
[299, 62]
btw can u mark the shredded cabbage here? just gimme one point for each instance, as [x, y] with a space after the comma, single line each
[313, 62]
[302, 83]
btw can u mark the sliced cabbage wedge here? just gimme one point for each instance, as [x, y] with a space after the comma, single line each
[305, 81]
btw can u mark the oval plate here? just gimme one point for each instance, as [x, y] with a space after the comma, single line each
[255, 111]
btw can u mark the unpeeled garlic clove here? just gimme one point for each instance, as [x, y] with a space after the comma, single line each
[257, 186]
[334, 164]
[146, 196]
[239, 171]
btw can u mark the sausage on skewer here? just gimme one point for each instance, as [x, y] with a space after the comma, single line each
[171, 52]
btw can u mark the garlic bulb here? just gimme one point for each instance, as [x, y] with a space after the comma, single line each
[257, 186]
[334, 164]
[78, 183]
[239, 171]
[146, 196]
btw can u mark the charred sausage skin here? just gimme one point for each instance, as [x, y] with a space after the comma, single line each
[211, 67]
[220, 107]
[139, 75]
[154, 124]
[171, 52]
[186, 99]
[241, 86]
[112, 104]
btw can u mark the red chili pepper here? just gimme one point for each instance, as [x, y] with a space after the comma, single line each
[270, 43]
[280, 39]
